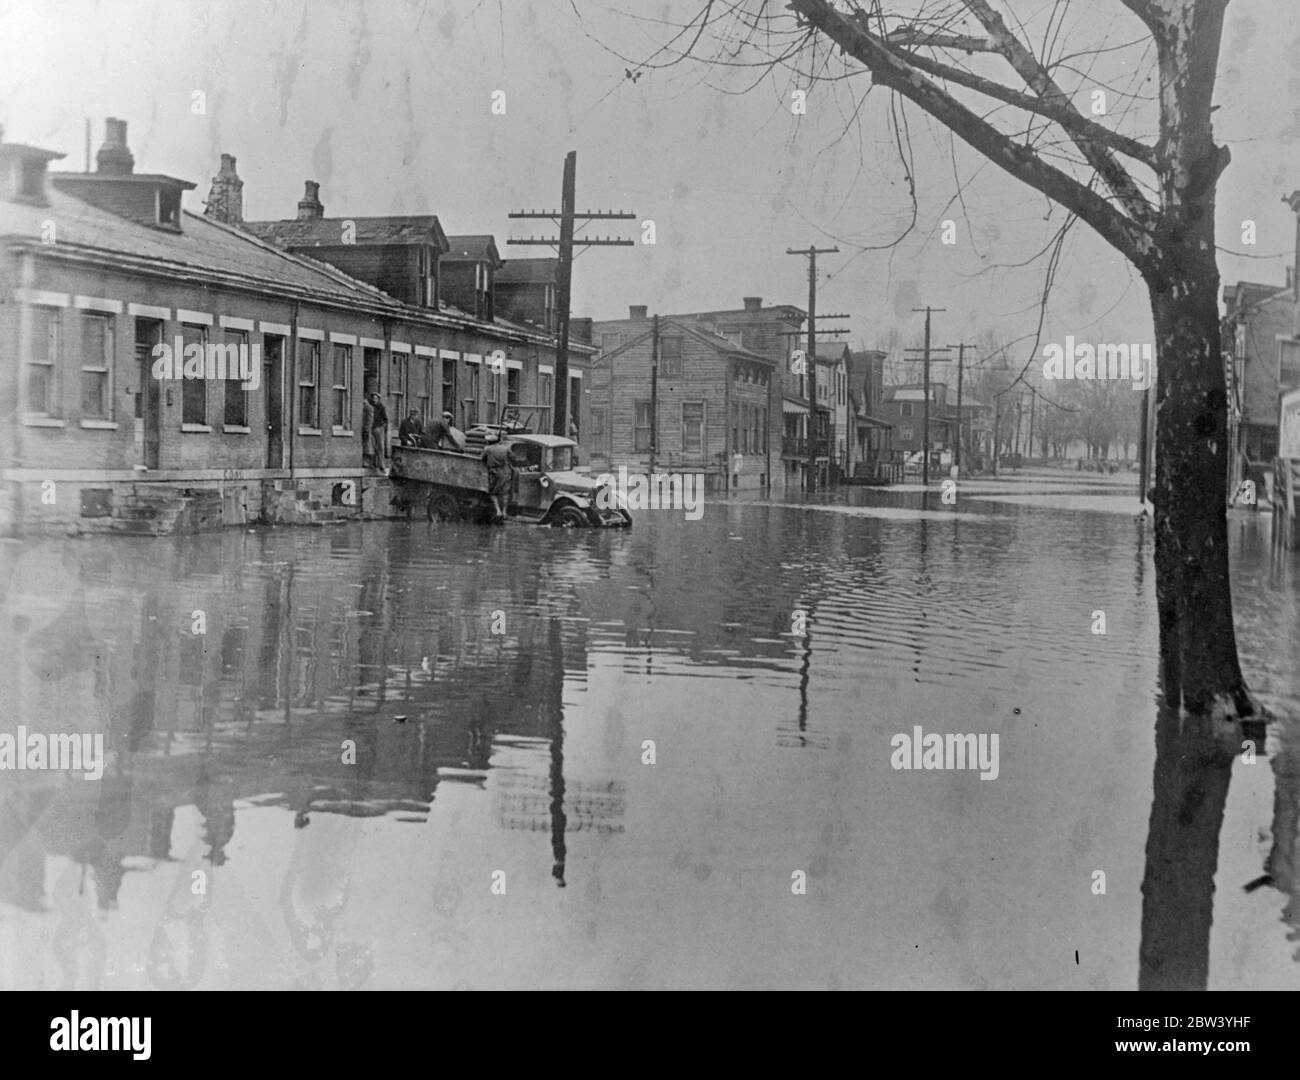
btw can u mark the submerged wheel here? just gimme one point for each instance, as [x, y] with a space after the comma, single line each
[444, 507]
[569, 517]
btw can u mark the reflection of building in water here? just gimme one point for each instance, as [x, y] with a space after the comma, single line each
[522, 801]
[298, 657]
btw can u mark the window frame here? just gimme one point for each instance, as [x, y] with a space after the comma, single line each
[54, 345]
[341, 393]
[192, 389]
[313, 354]
[704, 414]
[241, 340]
[642, 443]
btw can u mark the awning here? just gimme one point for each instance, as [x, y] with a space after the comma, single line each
[872, 422]
[793, 408]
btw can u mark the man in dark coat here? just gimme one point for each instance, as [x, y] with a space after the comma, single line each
[500, 476]
[379, 432]
[410, 431]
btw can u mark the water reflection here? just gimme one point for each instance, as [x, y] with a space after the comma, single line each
[323, 744]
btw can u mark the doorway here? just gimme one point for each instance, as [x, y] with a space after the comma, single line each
[148, 396]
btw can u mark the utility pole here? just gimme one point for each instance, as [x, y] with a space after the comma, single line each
[654, 394]
[925, 357]
[566, 218]
[811, 367]
[961, 364]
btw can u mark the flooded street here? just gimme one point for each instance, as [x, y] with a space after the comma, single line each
[407, 755]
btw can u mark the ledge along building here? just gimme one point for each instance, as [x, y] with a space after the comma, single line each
[97, 269]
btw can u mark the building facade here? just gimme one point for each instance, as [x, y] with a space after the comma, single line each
[681, 399]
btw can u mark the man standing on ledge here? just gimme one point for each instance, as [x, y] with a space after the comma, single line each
[500, 475]
[379, 431]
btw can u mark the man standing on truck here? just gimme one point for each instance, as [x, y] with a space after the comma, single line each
[500, 475]
[440, 435]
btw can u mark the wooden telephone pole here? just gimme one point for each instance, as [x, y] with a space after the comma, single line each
[961, 365]
[810, 374]
[925, 358]
[566, 219]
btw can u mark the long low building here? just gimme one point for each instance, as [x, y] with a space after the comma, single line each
[121, 412]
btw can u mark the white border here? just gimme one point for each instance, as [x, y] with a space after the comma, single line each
[371, 342]
[44, 298]
[95, 303]
[399, 346]
[342, 339]
[195, 318]
[283, 329]
[231, 322]
[307, 334]
[145, 311]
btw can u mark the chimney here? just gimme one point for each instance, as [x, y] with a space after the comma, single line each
[637, 311]
[753, 303]
[114, 159]
[309, 206]
[226, 197]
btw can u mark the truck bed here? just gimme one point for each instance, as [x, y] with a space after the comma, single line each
[446, 468]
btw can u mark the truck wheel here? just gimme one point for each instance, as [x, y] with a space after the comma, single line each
[569, 517]
[444, 507]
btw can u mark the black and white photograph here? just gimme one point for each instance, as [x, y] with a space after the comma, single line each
[650, 495]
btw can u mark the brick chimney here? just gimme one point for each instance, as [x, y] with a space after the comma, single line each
[114, 159]
[637, 311]
[753, 303]
[226, 197]
[309, 206]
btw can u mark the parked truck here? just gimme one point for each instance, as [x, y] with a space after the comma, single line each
[545, 488]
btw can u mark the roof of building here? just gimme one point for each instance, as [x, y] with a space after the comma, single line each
[528, 271]
[220, 253]
[472, 247]
[1246, 293]
[718, 342]
[327, 231]
[75, 178]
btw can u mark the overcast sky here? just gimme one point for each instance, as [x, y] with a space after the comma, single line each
[388, 106]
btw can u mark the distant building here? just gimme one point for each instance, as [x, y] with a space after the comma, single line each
[872, 454]
[469, 269]
[526, 292]
[708, 410]
[769, 332]
[904, 407]
[1256, 323]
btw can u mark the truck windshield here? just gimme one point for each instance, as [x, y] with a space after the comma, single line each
[561, 458]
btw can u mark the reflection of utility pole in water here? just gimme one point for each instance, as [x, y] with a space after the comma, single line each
[554, 705]
[1192, 772]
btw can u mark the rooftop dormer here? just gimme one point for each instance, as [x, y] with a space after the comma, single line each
[23, 176]
[148, 198]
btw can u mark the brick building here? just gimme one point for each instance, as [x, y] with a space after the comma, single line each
[99, 269]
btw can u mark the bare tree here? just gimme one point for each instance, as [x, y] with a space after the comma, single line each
[1153, 202]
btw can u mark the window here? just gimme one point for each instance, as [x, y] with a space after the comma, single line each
[670, 354]
[42, 365]
[734, 334]
[309, 384]
[905, 409]
[236, 405]
[512, 386]
[544, 395]
[194, 392]
[397, 387]
[735, 427]
[370, 370]
[428, 277]
[493, 379]
[905, 433]
[575, 405]
[341, 415]
[32, 180]
[610, 339]
[598, 424]
[693, 427]
[641, 426]
[424, 389]
[169, 208]
[449, 386]
[471, 394]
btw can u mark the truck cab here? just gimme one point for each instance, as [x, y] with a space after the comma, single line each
[548, 488]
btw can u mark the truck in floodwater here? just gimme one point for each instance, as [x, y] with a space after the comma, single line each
[545, 488]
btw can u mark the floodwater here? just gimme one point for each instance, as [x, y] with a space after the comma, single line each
[392, 755]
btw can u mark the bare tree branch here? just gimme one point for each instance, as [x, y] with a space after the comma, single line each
[890, 69]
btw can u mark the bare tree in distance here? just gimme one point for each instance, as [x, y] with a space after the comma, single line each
[1151, 201]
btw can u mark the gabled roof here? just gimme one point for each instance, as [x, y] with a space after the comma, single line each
[715, 341]
[9, 149]
[327, 232]
[528, 271]
[472, 248]
[1246, 293]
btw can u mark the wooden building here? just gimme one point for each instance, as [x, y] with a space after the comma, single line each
[697, 403]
